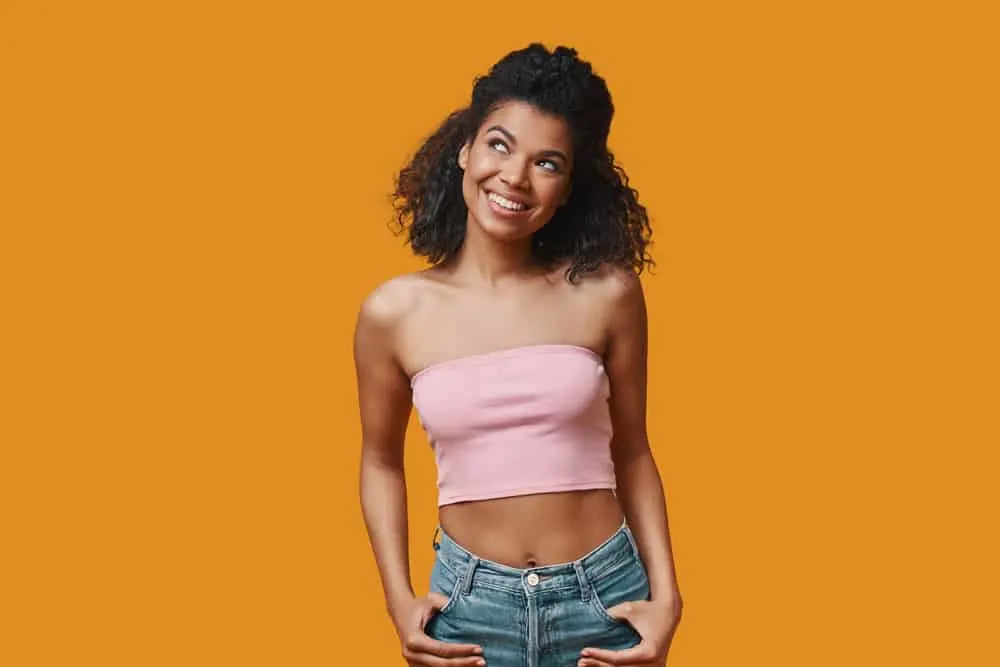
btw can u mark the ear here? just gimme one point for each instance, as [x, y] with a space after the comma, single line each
[463, 156]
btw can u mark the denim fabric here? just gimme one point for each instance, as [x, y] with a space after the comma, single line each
[541, 616]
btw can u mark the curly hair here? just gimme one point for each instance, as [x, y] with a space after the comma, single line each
[601, 223]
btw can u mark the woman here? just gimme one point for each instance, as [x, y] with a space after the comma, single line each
[523, 348]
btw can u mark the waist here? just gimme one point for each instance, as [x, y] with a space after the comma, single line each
[531, 530]
[618, 549]
[495, 467]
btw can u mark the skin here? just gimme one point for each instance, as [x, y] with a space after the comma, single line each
[464, 308]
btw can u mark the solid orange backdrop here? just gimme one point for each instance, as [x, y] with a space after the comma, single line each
[194, 203]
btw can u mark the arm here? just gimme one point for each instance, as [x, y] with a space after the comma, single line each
[385, 400]
[640, 490]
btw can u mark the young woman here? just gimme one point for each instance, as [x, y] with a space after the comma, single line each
[523, 349]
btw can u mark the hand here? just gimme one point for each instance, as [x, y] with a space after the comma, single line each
[420, 649]
[655, 622]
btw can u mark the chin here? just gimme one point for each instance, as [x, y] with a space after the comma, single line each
[503, 231]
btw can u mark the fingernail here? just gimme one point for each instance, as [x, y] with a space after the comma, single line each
[480, 662]
[477, 651]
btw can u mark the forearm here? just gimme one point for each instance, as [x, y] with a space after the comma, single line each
[640, 492]
[383, 504]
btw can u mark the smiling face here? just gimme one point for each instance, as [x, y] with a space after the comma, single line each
[516, 171]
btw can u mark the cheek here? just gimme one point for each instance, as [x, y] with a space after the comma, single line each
[472, 176]
[480, 166]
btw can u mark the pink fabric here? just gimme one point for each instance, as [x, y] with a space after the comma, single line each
[523, 420]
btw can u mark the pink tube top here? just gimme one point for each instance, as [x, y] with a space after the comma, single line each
[517, 421]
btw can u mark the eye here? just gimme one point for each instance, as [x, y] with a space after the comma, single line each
[552, 166]
[494, 143]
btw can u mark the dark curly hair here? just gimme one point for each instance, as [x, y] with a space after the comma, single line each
[602, 222]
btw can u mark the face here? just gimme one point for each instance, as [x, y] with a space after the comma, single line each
[517, 171]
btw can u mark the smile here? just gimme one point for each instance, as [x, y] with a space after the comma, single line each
[506, 204]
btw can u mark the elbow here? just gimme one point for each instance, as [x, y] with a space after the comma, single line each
[380, 478]
[628, 451]
[377, 458]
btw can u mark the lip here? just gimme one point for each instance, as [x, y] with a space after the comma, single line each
[503, 212]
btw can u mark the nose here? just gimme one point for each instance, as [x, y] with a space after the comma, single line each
[515, 173]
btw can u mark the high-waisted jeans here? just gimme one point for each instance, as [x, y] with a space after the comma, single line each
[541, 616]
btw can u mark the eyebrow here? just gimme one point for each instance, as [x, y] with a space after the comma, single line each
[510, 137]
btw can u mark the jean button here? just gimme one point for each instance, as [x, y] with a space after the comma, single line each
[532, 579]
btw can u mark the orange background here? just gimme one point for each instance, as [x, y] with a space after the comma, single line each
[193, 204]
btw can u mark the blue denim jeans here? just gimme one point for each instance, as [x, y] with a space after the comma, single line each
[541, 616]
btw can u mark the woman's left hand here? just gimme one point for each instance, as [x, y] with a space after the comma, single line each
[655, 622]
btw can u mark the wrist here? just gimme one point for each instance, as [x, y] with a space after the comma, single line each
[670, 599]
[398, 603]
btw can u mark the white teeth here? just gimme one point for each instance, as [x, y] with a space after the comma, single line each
[506, 203]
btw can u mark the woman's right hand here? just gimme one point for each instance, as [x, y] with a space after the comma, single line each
[421, 650]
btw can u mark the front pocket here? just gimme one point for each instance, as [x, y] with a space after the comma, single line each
[452, 599]
[447, 583]
[627, 583]
[602, 612]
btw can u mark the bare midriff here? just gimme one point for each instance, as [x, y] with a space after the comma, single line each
[534, 530]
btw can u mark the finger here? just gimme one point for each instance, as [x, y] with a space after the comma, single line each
[638, 654]
[437, 600]
[591, 662]
[621, 611]
[421, 643]
[428, 660]
[435, 603]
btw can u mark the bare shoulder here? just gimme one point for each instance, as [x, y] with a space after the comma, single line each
[384, 314]
[612, 285]
[389, 303]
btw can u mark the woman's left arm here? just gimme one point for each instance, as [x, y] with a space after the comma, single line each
[640, 490]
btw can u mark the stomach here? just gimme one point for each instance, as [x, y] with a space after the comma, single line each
[534, 530]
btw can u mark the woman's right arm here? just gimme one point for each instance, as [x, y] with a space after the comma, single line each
[385, 402]
[384, 399]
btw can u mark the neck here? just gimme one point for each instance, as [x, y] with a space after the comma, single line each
[485, 260]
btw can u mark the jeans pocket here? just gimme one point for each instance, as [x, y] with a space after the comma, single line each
[447, 583]
[626, 583]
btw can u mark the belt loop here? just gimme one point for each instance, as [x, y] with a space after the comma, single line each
[434, 538]
[582, 578]
[469, 571]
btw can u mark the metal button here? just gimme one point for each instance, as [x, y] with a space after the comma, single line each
[532, 579]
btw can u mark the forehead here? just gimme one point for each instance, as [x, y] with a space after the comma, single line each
[532, 128]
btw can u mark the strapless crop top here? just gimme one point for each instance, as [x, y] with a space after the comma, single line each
[517, 421]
